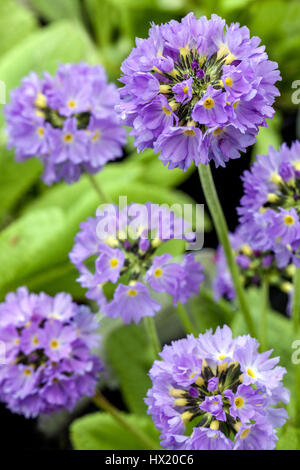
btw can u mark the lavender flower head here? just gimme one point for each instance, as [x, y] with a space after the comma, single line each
[216, 392]
[255, 265]
[122, 259]
[269, 212]
[68, 121]
[197, 91]
[48, 361]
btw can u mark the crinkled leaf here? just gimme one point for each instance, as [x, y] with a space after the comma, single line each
[16, 23]
[25, 245]
[15, 179]
[99, 431]
[289, 438]
[57, 9]
[130, 357]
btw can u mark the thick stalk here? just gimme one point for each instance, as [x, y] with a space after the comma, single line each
[105, 405]
[185, 319]
[264, 315]
[152, 335]
[296, 321]
[222, 232]
[97, 188]
[296, 301]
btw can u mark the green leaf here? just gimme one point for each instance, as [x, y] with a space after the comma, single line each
[268, 136]
[130, 357]
[15, 178]
[208, 313]
[155, 172]
[16, 23]
[289, 438]
[57, 9]
[59, 278]
[24, 245]
[99, 431]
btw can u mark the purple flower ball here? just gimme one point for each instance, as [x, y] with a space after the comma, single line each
[48, 361]
[118, 257]
[254, 266]
[269, 212]
[68, 121]
[218, 84]
[216, 392]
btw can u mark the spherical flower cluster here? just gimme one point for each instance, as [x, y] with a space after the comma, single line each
[215, 392]
[122, 263]
[68, 121]
[270, 207]
[255, 265]
[197, 91]
[48, 362]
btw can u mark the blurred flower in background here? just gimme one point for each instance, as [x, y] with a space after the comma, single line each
[256, 266]
[68, 121]
[270, 205]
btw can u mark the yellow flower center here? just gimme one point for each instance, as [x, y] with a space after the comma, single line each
[221, 357]
[189, 132]
[185, 90]
[166, 111]
[72, 104]
[245, 433]
[54, 344]
[35, 340]
[228, 81]
[96, 136]
[289, 220]
[250, 372]
[218, 131]
[208, 103]
[17, 341]
[132, 292]
[114, 262]
[27, 372]
[158, 272]
[40, 132]
[239, 402]
[68, 138]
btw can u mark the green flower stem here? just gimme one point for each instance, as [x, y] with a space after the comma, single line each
[222, 232]
[296, 301]
[105, 405]
[97, 188]
[296, 323]
[152, 335]
[264, 315]
[185, 319]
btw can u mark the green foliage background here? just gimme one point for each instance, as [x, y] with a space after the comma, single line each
[38, 224]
